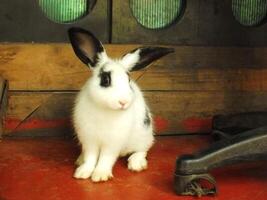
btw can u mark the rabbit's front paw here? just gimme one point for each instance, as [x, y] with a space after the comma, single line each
[137, 162]
[83, 172]
[98, 175]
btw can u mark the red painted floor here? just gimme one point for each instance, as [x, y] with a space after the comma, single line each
[42, 169]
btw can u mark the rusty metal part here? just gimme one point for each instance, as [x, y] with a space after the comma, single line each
[191, 185]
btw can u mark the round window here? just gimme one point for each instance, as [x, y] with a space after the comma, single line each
[249, 12]
[65, 11]
[157, 14]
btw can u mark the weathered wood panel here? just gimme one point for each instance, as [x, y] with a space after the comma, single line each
[174, 112]
[21, 105]
[55, 67]
[206, 79]
[205, 23]
[24, 21]
[184, 89]
[126, 29]
[3, 103]
[35, 114]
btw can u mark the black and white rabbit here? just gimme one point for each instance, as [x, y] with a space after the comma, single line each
[110, 117]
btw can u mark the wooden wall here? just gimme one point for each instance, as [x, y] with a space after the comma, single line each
[24, 21]
[205, 76]
[184, 90]
[203, 23]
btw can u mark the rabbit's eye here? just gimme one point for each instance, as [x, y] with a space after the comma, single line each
[105, 79]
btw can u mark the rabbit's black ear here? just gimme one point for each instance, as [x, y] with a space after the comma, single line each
[85, 45]
[143, 56]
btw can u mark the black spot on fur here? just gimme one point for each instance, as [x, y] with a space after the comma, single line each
[147, 120]
[105, 78]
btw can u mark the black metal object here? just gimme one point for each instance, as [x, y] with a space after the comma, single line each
[191, 169]
[225, 126]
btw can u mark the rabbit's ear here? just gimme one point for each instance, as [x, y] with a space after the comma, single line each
[143, 56]
[86, 46]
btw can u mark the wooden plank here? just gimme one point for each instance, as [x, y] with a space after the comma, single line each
[210, 79]
[39, 114]
[3, 103]
[22, 105]
[174, 112]
[55, 67]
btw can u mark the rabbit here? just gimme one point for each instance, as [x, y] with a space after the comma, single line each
[110, 116]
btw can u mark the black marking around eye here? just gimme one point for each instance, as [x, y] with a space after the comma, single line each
[105, 78]
[147, 120]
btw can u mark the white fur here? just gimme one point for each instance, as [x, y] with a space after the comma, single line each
[130, 59]
[105, 129]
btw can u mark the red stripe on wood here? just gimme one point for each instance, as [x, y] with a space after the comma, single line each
[161, 124]
[12, 124]
[191, 125]
[195, 125]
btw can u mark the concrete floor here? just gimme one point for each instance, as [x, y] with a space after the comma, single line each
[42, 169]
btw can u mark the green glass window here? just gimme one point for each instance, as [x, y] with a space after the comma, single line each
[249, 12]
[156, 14]
[65, 11]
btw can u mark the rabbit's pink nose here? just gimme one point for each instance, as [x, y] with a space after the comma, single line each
[122, 102]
